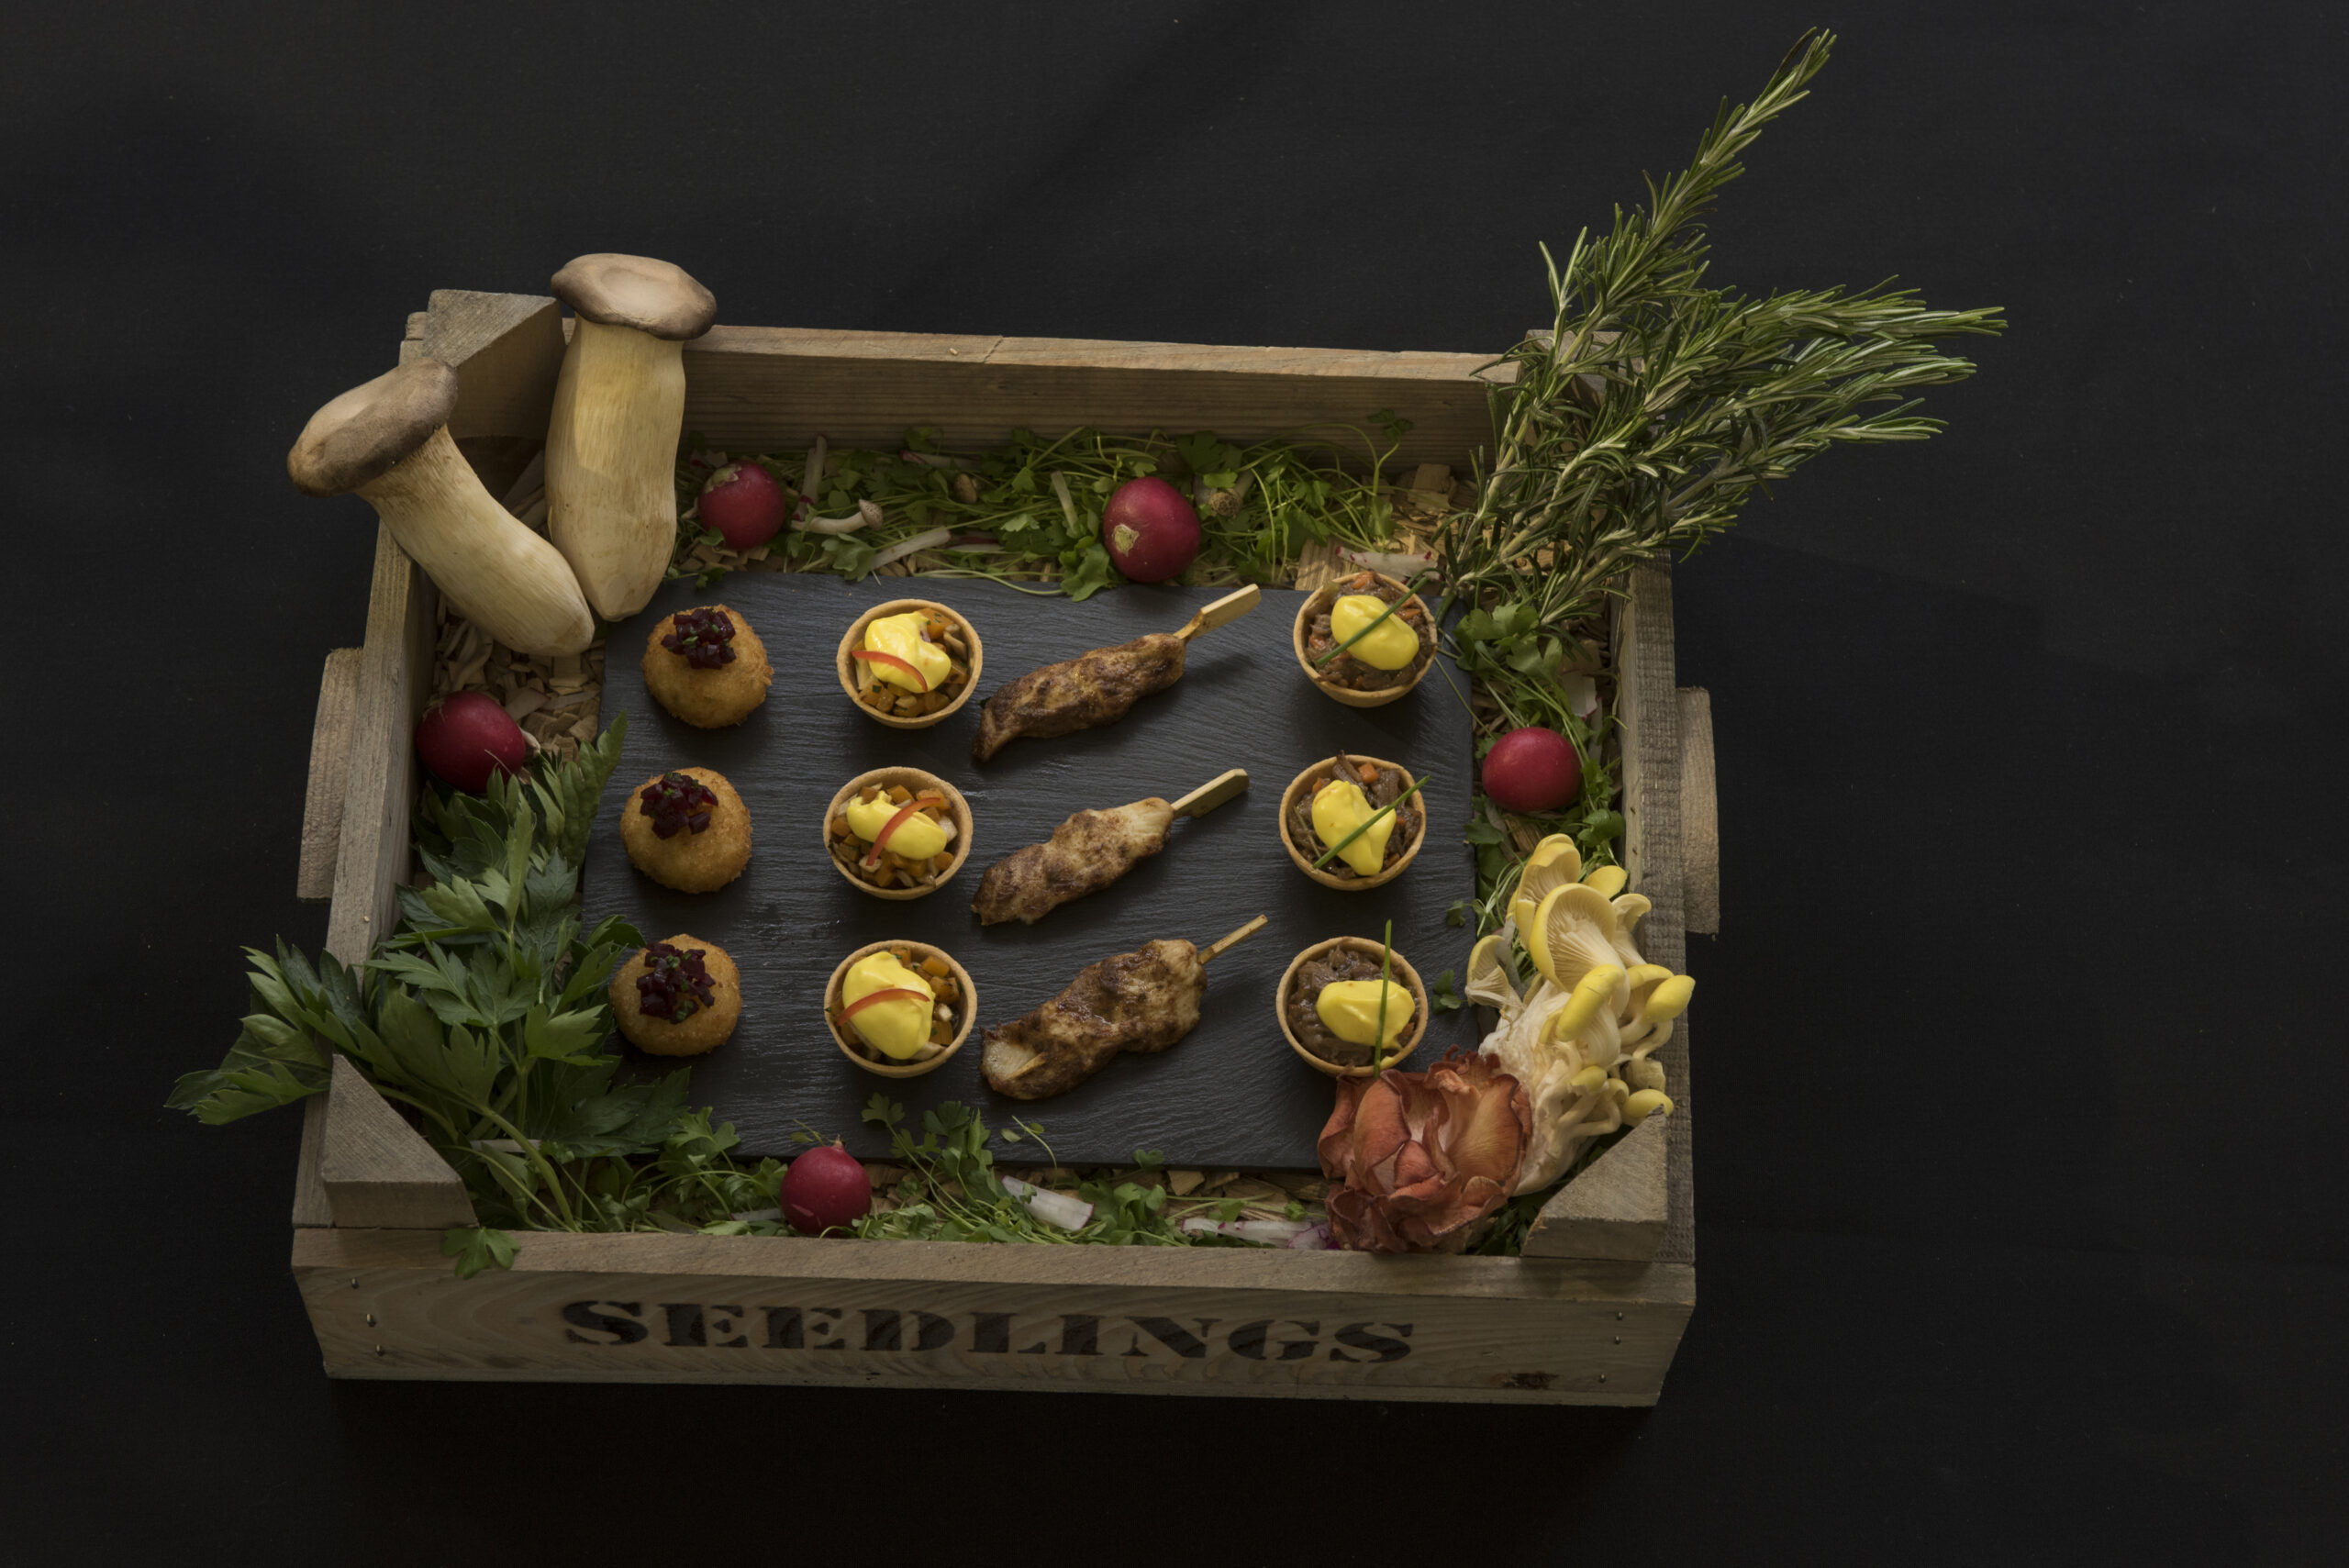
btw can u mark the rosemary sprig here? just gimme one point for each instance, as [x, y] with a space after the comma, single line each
[1656, 404]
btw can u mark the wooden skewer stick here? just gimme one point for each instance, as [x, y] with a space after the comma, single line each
[1226, 943]
[1231, 607]
[1212, 793]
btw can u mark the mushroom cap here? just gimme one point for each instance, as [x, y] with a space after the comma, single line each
[364, 433]
[1572, 933]
[1553, 863]
[1669, 1000]
[651, 296]
[1488, 979]
[1593, 991]
[1609, 880]
[1629, 907]
[1646, 1102]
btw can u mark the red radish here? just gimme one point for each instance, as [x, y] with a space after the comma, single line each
[824, 1188]
[743, 502]
[465, 737]
[1150, 530]
[1531, 769]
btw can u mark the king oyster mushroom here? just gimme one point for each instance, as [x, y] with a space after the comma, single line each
[388, 440]
[620, 405]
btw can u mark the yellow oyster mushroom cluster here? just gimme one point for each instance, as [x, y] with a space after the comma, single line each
[1583, 1040]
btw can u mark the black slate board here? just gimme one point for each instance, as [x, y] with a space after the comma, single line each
[1233, 1094]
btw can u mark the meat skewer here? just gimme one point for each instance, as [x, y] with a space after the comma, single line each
[1088, 852]
[1141, 1002]
[1097, 688]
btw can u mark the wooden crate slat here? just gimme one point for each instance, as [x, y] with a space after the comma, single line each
[1618, 1207]
[371, 861]
[1647, 701]
[376, 1170]
[721, 1310]
[777, 387]
[507, 350]
[311, 1206]
[395, 668]
[1701, 837]
[329, 775]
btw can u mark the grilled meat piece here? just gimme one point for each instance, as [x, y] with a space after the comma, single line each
[1083, 692]
[1084, 854]
[1142, 1001]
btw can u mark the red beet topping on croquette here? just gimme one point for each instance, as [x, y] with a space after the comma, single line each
[680, 996]
[707, 666]
[688, 830]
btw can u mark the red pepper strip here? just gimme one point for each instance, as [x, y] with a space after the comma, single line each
[894, 994]
[868, 653]
[873, 856]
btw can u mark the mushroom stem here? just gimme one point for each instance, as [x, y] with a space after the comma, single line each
[914, 546]
[506, 579]
[620, 405]
[866, 515]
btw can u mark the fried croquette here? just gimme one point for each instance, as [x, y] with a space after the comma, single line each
[678, 997]
[707, 666]
[687, 829]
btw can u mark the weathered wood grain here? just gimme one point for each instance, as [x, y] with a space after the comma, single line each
[1648, 704]
[1700, 838]
[1616, 1209]
[395, 673]
[507, 350]
[774, 388]
[329, 775]
[915, 1314]
[311, 1205]
[346, 1155]
[376, 1171]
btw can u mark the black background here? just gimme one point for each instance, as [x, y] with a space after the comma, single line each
[2020, 1181]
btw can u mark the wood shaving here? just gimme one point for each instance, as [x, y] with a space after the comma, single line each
[1249, 1189]
[556, 701]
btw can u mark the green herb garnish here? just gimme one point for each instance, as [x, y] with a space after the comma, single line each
[1385, 967]
[1445, 995]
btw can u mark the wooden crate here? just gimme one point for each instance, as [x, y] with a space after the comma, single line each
[1591, 1315]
